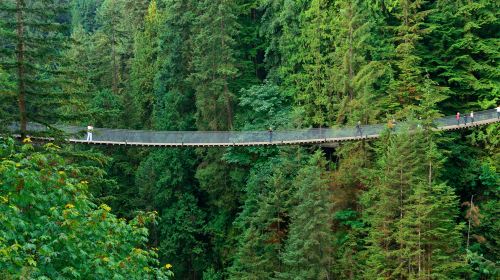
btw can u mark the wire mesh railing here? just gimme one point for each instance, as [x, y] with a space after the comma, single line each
[177, 138]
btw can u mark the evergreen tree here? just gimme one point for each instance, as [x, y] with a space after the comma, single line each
[166, 184]
[7, 97]
[33, 38]
[144, 67]
[83, 13]
[111, 43]
[358, 63]
[174, 98]
[213, 64]
[411, 217]
[466, 33]
[406, 88]
[79, 68]
[265, 217]
[311, 84]
[280, 27]
[308, 253]
[264, 227]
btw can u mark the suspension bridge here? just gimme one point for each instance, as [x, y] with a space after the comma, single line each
[124, 137]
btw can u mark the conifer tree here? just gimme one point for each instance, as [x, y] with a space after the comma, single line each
[308, 253]
[79, 68]
[264, 228]
[174, 100]
[466, 34]
[33, 38]
[213, 64]
[312, 83]
[83, 13]
[357, 65]
[144, 67]
[166, 177]
[111, 43]
[7, 97]
[406, 89]
[281, 28]
[411, 216]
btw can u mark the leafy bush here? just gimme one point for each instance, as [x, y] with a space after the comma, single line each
[49, 227]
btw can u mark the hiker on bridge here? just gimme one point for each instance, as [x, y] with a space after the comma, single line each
[270, 134]
[498, 112]
[90, 129]
[457, 117]
[465, 119]
[472, 116]
[358, 129]
[391, 124]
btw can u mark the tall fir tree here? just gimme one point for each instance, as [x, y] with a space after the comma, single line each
[358, 63]
[465, 35]
[311, 83]
[174, 100]
[411, 216]
[213, 64]
[406, 90]
[308, 251]
[34, 35]
[264, 220]
[144, 66]
[165, 44]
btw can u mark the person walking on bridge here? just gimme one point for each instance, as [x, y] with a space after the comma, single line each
[358, 129]
[498, 112]
[465, 119]
[270, 134]
[391, 124]
[457, 117]
[90, 129]
[472, 117]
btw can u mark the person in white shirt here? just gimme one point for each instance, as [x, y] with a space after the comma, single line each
[472, 116]
[90, 129]
[498, 112]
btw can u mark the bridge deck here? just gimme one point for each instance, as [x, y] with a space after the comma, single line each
[121, 137]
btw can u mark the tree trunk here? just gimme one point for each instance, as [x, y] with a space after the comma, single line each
[351, 53]
[21, 94]
[113, 55]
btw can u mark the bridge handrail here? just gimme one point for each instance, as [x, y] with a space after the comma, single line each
[233, 137]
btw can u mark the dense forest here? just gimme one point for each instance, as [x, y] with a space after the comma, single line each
[417, 204]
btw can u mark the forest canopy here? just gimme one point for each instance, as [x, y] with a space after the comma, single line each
[413, 204]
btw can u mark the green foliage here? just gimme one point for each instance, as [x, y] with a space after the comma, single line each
[144, 68]
[50, 228]
[214, 64]
[166, 185]
[33, 39]
[357, 211]
[174, 96]
[466, 34]
[262, 107]
[308, 252]
[265, 216]
[411, 216]
[357, 69]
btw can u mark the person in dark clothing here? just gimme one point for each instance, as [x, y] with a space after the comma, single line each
[465, 119]
[358, 129]
[270, 134]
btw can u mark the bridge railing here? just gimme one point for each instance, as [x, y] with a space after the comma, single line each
[230, 137]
